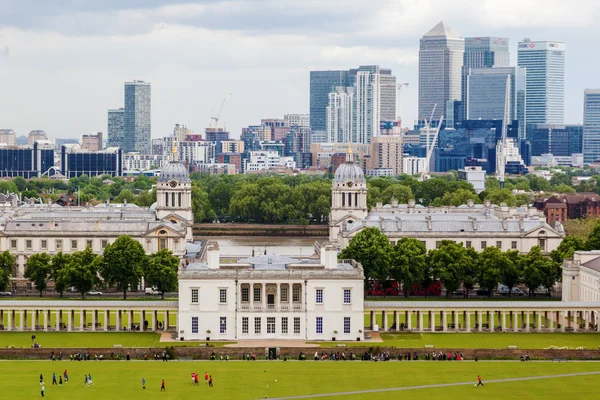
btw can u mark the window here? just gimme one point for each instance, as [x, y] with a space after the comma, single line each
[284, 295]
[270, 324]
[73, 244]
[296, 325]
[296, 294]
[542, 244]
[173, 199]
[257, 294]
[468, 244]
[347, 296]
[513, 245]
[44, 244]
[13, 244]
[222, 296]
[28, 245]
[244, 324]
[58, 244]
[162, 243]
[194, 296]
[424, 243]
[245, 295]
[483, 244]
[499, 244]
[223, 325]
[89, 244]
[194, 324]
[284, 325]
[438, 244]
[179, 195]
[167, 199]
[346, 324]
[319, 325]
[104, 244]
[319, 296]
[257, 324]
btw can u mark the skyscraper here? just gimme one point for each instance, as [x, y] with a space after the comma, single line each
[591, 125]
[340, 115]
[137, 124]
[440, 62]
[545, 81]
[367, 107]
[486, 93]
[115, 127]
[321, 84]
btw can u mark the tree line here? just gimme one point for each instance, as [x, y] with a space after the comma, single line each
[121, 265]
[408, 262]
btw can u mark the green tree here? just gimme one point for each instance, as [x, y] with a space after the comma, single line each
[562, 188]
[409, 262]
[567, 248]
[82, 270]
[532, 277]
[492, 262]
[449, 263]
[20, 182]
[560, 179]
[124, 263]
[537, 183]
[38, 270]
[125, 195]
[7, 265]
[550, 272]
[161, 271]
[471, 270]
[512, 274]
[30, 194]
[397, 191]
[593, 242]
[58, 265]
[456, 198]
[372, 249]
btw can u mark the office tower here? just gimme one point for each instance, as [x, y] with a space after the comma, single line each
[137, 124]
[486, 93]
[558, 140]
[92, 142]
[115, 127]
[482, 52]
[297, 119]
[340, 115]
[26, 161]
[76, 161]
[440, 62]
[591, 125]
[321, 84]
[545, 81]
[216, 135]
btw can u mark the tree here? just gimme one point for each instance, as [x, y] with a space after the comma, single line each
[537, 183]
[512, 274]
[396, 191]
[161, 271]
[456, 198]
[124, 263]
[7, 264]
[20, 182]
[372, 249]
[560, 179]
[492, 262]
[449, 263]
[125, 195]
[532, 277]
[471, 271]
[550, 272]
[38, 270]
[201, 207]
[82, 270]
[57, 267]
[409, 262]
[593, 242]
[567, 248]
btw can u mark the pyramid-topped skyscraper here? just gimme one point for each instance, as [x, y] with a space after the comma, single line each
[440, 61]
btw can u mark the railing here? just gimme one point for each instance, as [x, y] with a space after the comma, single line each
[271, 307]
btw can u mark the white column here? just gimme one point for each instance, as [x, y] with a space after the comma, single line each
[468, 321]
[596, 320]
[396, 320]
[516, 321]
[21, 320]
[10, 322]
[252, 297]
[575, 321]
[409, 320]
[444, 321]
[527, 327]
[142, 319]
[503, 321]
[278, 297]
[166, 321]
[479, 322]
[118, 320]
[562, 319]
[130, 319]
[420, 313]
[492, 323]
[153, 329]
[69, 320]
[82, 319]
[57, 320]
[384, 321]
[432, 321]
[455, 320]
[34, 319]
[106, 320]
[45, 321]
[93, 320]
[539, 321]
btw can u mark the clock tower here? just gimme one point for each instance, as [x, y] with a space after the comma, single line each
[349, 195]
[174, 194]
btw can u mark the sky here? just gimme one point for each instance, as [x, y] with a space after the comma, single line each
[63, 62]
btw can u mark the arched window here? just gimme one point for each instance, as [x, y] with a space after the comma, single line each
[343, 200]
[166, 199]
[173, 199]
[179, 195]
[350, 199]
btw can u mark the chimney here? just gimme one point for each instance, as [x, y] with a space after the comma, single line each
[474, 223]
[521, 224]
[213, 255]
[429, 225]
[52, 225]
[411, 203]
[504, 224]
[470, 203]
[394, 203]
[329, 255]
[398, 224]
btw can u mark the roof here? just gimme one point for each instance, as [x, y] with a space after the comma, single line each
[593, 264]
[479, 305]
[443, 30]
[174, 171]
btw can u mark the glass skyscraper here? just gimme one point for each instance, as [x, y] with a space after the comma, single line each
[591, 125]
[545, 81]
[137, 127]
[115, 127]
[486, 93]
[321, 84]
[440, 62]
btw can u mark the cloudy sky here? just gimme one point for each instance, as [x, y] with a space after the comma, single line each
[63, 62]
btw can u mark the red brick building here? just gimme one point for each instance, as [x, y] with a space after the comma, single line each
[569, 206]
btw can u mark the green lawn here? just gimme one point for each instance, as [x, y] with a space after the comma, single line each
[482, 340]
[91, 340]
[242, 380]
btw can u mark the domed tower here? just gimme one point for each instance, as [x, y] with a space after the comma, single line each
[174, 193]
[349, 195]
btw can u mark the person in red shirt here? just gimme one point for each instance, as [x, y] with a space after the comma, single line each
[479, 383]
[210, 381]
[206, 378]
[162, 386]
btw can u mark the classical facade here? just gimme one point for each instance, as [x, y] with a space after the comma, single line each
[271, 297]
[475, 225]
[581, 277]
[30, 229]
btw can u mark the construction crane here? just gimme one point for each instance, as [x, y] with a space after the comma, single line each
[216, 117]
[399, 85]
[500, 169]
[425, 174]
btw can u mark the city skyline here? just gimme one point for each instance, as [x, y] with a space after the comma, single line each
[75, 72]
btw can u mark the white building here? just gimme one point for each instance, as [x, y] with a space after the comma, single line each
[412, 165]
[271, 297]
[297, 120]
[193, 152]
[264, 160]
[581, 277]
[367, 107]
[475, 176]
[340, 115]
[143, 162]
[476, 226]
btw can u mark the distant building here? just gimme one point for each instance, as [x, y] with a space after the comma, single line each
[581, 281]
[475, 176]
[181, 132]
[265, 160]
[297, 120]
[157, 146]
[137, 117]
[591, 125]
[486, 93]
[558, 140]
[297, 140]
[92, 141]
[115, 127]
[216, 169]
[26, 161]
[386, 154]
[216, 135]
[143, 162]
[75, 161]
[232, 146]
[321, 84]
[413, 165]
[578, 205]
[234, 159]
[36, 135]
[340, 115]
[8, 137]
[322, 152]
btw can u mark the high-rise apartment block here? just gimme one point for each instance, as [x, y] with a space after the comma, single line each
[440, 63]
[181, 132]
[385, 156]
[545, 81]
[137, 122]
[340, 115]
[92, 141]
[591, 125]
[296, 119]
[115, 127]
[321, 84]
[36, 135]
[8, 137]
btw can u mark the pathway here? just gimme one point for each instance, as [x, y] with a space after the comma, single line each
[439, 385]
[273, 343]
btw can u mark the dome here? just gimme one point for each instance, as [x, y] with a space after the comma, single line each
[348, 171]
[174, 171]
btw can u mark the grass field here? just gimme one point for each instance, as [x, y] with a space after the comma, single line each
[257, 380]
